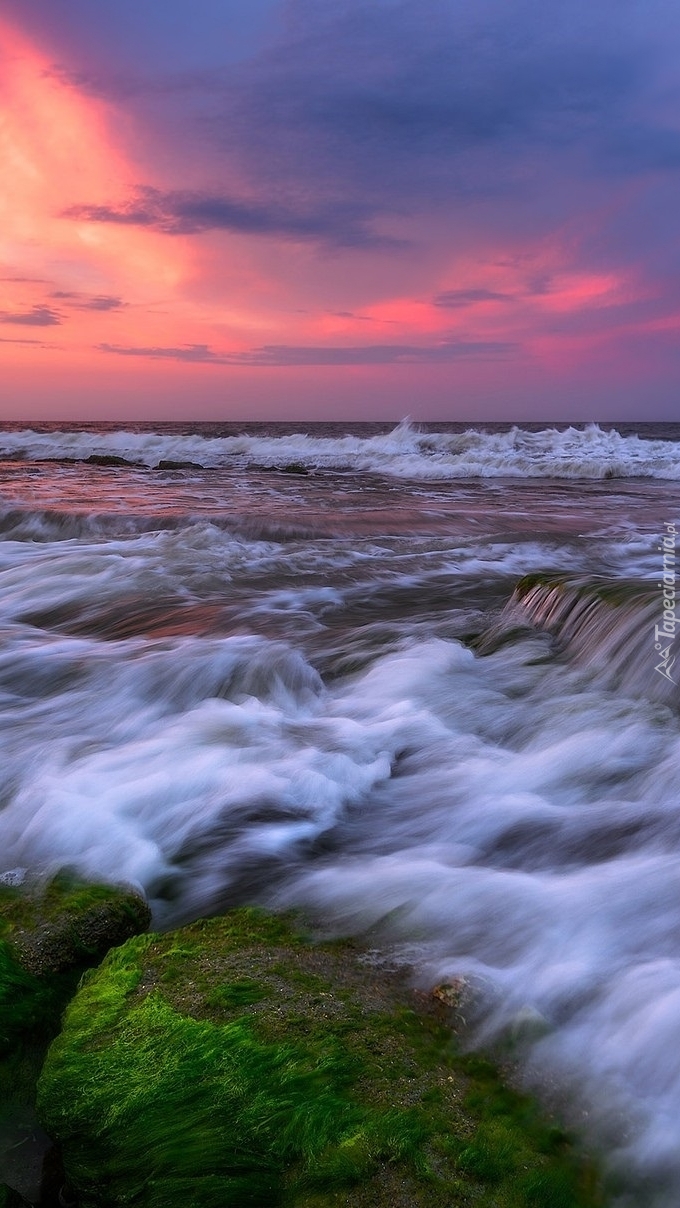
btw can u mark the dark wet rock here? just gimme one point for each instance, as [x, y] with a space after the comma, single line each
[235, 1064]
[294, 467]
[291, 467]
[108, 459]
[9, 1198]
[55, 1190]
[169, 464]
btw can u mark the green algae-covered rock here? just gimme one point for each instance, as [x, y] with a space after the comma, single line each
[47, 937]
[231, 1064]
[49, 934]
[67, 923]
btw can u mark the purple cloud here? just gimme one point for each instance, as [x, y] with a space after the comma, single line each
[200, 353]
[184, 213]
[458, 298]
[37, 316]
[83, 302]
[298, 355]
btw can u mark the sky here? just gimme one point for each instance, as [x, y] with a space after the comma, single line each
[357, 209]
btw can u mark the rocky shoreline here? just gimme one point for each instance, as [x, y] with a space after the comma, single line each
[240, 1063]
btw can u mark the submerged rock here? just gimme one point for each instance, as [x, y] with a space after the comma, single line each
[172, 464]
[232, 1063]
[610, 626]
[294, 467]
[109, 459]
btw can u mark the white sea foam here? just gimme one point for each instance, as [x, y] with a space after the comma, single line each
[405, 452]
[203, 562]
[504, 818]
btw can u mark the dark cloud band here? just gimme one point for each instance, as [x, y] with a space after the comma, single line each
[300, 355]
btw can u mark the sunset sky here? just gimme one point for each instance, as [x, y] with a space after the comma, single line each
[357, 209]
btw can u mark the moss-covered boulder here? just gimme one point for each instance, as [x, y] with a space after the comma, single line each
[233, 1064]
[48, 936]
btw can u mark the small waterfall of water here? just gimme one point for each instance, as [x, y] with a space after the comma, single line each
[608, 625]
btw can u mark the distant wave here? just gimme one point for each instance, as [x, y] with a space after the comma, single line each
[406, 452]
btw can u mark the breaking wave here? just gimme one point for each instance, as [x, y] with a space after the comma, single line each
[405, 452]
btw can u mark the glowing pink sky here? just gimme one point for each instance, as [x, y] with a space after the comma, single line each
[358, 210]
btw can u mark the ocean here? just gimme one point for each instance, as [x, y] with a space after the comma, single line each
[413, 680]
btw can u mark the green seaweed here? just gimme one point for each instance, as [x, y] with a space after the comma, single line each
[271, 1071]
[47, 938]
[67, 923]
[25, 1001]
[48, 935]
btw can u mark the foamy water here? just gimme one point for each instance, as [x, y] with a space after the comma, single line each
[404, 452]
[236, 684]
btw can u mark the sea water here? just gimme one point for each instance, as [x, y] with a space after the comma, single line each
[302, 665]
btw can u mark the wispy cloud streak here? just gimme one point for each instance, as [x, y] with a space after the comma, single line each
[180, 213]
[298, 355]
[37, 316]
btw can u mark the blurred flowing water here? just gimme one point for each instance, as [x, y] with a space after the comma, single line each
[307, 668]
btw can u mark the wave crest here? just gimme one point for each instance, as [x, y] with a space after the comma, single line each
[407, 452]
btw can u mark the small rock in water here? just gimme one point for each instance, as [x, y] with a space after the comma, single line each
[107, 459]
[450, 993]
[170, 464]
[294, 467]
[528, 1024]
